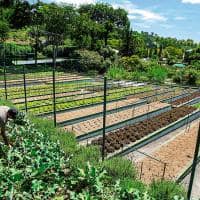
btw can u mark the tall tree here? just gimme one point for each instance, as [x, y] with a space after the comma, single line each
[105, 15]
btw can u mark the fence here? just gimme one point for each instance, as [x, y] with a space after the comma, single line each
[76, 102]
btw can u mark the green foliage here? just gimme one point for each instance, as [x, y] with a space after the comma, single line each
[132, 63]
[187, 76]
[117, 73]
[34, 167]
[119, 168]
[128, 183]
[163, 190]
[4, 29]
[15, 50]
[66, 139]
[157, 74]
[21, 15]
[88, 60]
[85, 154]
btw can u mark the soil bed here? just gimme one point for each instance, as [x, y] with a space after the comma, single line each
[96, 123]
[130, 134]
[94, 109]
[186, 99]
[177, 154]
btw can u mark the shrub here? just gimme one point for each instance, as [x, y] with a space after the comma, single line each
[119, 168]
[117, 73]
[4, 29]
[166, 190]
[88, 60]
[127, 183]
[67, 140]
[157, 73]
[85, 154]
[132, 63]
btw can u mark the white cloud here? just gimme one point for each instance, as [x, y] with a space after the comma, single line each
[137, 13]
[142, 25]
[180, 18]
[191, 1]
[166, 26]
[75, 2]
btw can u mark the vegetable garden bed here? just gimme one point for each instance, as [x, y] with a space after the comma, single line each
[93, 127]
[142, 132]
[177, 154]
[186, 98]
[83, 114]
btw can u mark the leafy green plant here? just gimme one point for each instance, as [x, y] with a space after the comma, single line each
[119, 168]
[163, 190]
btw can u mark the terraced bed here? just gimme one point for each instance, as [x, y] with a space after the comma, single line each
[176, 153]
[93, 110]
[127, 136]
[96, 123]
[45, 106]
[186, 99]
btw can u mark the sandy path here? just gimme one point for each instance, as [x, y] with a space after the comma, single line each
[177, 152]
[96, 123]
[94, 109]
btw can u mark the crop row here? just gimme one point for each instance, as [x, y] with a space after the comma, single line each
[130, 134]
[64, 99]
[186, 99]
[32, 91]
[42, 108]
[16, 76]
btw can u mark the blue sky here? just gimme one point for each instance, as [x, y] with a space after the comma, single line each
[174, 18]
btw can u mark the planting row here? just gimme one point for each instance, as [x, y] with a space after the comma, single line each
[81, 96]
[95, 124]
[39, 90]
[76, 102]
[130, 134]
[186, 99]
[177, 153]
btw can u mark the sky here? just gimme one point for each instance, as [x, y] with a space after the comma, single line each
[169, 18]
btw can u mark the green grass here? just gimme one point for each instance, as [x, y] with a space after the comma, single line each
[197, 105]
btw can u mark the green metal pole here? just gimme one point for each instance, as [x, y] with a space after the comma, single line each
[104, 118]
[4, 66]
[25, 93]
[5, 82]
[194, 164]
[54, 84]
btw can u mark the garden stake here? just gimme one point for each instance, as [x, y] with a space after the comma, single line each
[54, 85]
[5, 81]
[25, 94]
[165, 165]
[141, 169]
[104, 118]
[194, 164]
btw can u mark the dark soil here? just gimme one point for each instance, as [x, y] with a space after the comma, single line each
[186, 99]
[129, 134]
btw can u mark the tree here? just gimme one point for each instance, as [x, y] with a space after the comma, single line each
[4, 30]
[21, 16]
[105, 15]
[58, 20]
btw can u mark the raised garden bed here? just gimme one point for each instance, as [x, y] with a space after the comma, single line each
[176, 153]
[90, 128]
[186, 98]
[130, 134]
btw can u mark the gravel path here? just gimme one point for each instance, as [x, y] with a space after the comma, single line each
[176, 150]
[96, 123]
